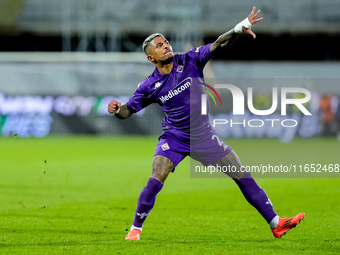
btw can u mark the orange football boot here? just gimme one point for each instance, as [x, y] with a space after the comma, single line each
[134, 234]
[287, 224]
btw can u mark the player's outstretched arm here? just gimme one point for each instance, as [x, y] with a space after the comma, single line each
[121, 112]
[244, 26]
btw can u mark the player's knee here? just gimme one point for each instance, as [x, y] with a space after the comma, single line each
[160, 174]
[233, 166]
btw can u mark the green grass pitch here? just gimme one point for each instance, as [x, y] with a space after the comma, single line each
[77, 195]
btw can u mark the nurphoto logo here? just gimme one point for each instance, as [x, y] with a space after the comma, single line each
[239, 103]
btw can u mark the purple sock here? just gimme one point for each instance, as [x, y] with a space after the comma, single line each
[146, 201]
[256, 196]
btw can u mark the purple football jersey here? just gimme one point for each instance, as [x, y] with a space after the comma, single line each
[177, 93]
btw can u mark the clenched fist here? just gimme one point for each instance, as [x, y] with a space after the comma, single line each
[113, 106]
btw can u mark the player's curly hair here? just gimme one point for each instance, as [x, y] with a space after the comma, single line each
[149, 39]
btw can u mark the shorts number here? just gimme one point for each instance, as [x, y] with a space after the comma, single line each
[220, 142]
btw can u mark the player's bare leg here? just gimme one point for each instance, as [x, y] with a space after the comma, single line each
[257, 197]
[161, 167]
[232, 160]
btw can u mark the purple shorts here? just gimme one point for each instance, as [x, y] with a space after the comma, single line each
[207, 149]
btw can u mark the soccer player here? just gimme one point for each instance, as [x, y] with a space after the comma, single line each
[186, 131]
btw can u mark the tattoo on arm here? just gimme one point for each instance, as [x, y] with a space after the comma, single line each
[223, 40]
[124, 112]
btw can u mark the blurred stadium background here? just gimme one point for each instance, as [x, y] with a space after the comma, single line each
[62, 61]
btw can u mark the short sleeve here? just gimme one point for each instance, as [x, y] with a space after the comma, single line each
[201, 54]
[141, 98]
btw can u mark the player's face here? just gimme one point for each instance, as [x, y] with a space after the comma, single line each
[160, 49]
